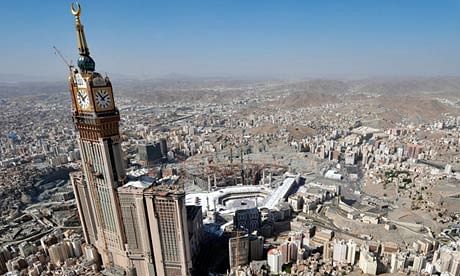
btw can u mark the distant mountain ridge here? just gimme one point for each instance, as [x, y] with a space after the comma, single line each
[202, 88]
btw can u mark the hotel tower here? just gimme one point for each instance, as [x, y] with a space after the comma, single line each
[137, 229]
[96, 119]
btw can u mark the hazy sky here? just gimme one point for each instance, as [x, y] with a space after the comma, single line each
[236, 38]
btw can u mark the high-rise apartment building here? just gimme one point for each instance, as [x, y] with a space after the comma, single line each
[5, 256]
[339, 254]
[275, 260]
[238, 251]
[352, 249]
[455, 267]
[150, 153]
[419, 263]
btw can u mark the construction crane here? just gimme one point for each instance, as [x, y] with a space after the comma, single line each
[58, 53]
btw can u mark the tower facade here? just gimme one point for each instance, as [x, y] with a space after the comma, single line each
[167, 218]
[136, 229]
[138, 235]
[96, 119]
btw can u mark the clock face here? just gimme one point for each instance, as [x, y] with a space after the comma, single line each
[83, 99]
[103, 98]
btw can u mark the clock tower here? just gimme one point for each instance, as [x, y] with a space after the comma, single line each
[96, 119]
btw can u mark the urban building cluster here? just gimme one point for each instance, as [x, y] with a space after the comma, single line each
[236, 186]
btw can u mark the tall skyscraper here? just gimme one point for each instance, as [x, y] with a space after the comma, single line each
[137, 228]
[96, 118]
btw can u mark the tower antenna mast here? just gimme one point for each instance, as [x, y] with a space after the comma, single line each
[58, 53]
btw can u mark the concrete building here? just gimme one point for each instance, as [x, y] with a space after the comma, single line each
[167, 218]
[17, 264]
[388, 249]
[5, 256]
[76, 247]
[296, 202]
[256, 248]
[86, 208]
[424, 246]
[370, 218]
[275, 261]
[339, 255]
[323, 236]
[297, 238]
[284, 249]
[413, 150]
[238, 251]
[368, 262]
[301, 254]
[195, 228]
[135, 222]
[27, 248]
[162, 234]
[455, 267]
[327, 251]
[352, 249]
[350, 158]
[292, 251]
[429, 269]
[91, 254]
[150, 153]
[443, 259]
[398, 262]
[419, 263]
[247, 219]
[59, 253]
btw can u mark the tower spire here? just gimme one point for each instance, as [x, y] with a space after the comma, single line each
[85, 62]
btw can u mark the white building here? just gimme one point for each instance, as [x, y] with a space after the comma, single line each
[368, 262]
[398, 262]
[455, 267]
[275, 261]
[419, 263]
[352, 247]
[339, 255]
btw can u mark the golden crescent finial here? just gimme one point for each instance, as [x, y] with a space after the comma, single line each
[76, 11]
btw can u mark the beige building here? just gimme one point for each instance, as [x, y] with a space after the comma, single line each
[85, 206]
[135, 221]
[59, 253]
[238, 250]
[275, 261]
[368, 262]
[167, 218]
[162, 235]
